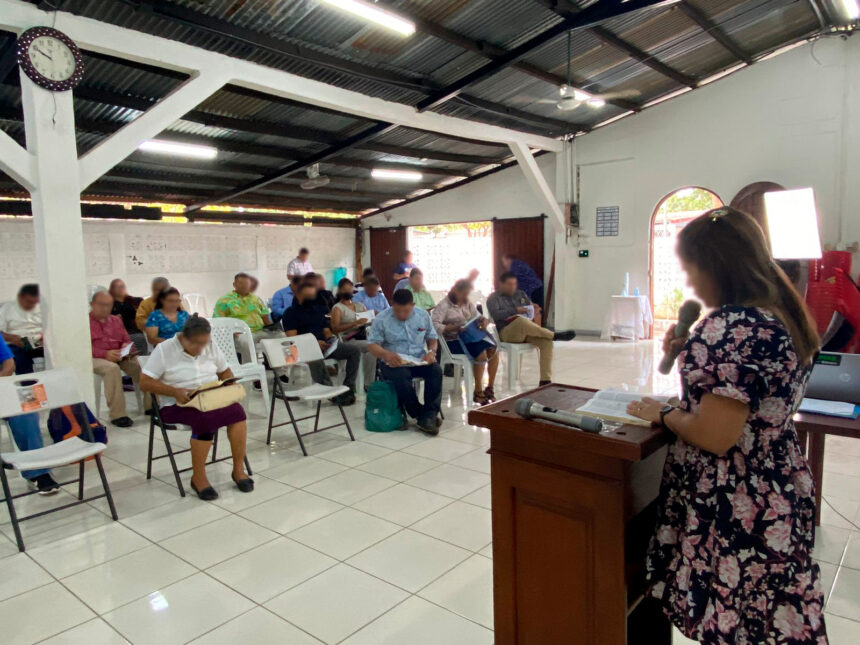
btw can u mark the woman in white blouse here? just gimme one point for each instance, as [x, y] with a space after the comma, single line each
[174, 370]
[450, 317]
[350, 328]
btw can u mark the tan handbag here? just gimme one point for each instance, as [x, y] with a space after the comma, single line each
[216, 398]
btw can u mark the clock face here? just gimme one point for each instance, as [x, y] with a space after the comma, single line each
[50, 58]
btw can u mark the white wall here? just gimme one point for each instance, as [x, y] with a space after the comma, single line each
[267, 249]
[794, 120]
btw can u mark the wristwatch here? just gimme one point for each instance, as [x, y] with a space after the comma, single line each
[666, 409]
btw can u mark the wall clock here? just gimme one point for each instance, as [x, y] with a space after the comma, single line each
[50, 58]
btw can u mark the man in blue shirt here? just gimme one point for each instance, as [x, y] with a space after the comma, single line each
[371, 297]
[404, 267]
[527, 278]
[25, 431]
[283, 298]
[401, 338]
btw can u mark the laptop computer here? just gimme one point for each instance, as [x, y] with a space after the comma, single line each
[835, 377]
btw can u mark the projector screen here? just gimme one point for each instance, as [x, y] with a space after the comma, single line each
[792, 224]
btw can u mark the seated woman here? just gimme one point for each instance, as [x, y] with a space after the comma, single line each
[450, 317]
[349, 327]
[174, 370]
[168, 319]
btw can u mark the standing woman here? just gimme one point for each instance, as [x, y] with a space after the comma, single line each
[349, 327]
[168, 319]
[449, 318]
[731, 558]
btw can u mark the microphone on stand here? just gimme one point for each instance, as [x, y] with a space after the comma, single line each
[687, 317]
[527, 408]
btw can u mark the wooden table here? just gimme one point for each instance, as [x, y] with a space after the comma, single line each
[812, 429]
[572, 516]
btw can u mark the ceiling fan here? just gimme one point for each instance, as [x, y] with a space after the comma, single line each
[315, 179]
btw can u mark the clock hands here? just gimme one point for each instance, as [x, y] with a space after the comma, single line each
[43, 54]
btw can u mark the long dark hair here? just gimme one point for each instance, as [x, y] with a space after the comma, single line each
[730, 246]
[159, 299]
[340, 285]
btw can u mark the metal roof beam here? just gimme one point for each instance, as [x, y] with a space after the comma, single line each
[588, 17]
[557, 126]
[489, 50]
[568, 10]
[714, 31]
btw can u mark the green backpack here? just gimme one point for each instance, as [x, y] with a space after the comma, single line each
[382, 412]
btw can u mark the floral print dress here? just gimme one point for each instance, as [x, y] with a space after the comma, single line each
[731, 556]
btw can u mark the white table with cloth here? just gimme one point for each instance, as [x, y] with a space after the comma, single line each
[628, 317]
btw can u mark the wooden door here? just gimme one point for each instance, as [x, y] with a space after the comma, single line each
[520, 237]
[386, 249]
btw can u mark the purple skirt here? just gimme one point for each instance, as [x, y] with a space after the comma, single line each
[203, 423]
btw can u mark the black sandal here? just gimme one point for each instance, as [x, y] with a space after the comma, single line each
[489, 394]
[245, 485]
[207, 494]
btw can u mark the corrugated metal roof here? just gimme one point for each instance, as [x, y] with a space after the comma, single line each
[340, 50]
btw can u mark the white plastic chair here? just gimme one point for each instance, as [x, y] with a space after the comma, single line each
[303, 349]
[227, 334]
[195, 303]
[515, 352]
[55, 388]
[462, 368]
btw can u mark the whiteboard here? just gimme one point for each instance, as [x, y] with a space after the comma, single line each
[189, 253]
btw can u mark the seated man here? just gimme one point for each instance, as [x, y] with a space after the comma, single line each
[324, 296]
[21, 327]
[147, 306]
[283, 298]
[401, 272]
[109, 338]
[26, 432]
[423, 299]
[401, 332]
[244, 305]
[371, 296]
[308, 316]
[125, 306]
[509, 307]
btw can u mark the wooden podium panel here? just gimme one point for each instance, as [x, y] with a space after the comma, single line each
[569, 522]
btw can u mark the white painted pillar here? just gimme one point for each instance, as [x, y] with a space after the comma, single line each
[49, 122]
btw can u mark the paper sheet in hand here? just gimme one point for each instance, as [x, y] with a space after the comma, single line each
[125, 351]
[332, 345]
[366, 315]
[410, 361]
[830, 408]
[612, 406]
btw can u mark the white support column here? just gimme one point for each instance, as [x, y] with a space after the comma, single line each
[537, 181]
[122, 143]
[15, 161]
[49, 122]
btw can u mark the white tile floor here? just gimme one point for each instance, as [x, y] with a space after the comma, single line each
[385, 541]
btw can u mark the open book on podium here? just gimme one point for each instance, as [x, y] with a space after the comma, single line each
[611, 405]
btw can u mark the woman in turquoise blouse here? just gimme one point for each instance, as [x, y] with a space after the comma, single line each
[168, 317]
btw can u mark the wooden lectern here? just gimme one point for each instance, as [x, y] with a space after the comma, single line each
[572, 516]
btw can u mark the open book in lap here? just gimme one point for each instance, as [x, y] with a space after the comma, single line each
[472, 332]
[411, 361]
[611, 405]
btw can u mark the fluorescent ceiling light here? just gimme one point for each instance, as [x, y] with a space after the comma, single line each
[178, 149]
[375, 14]
[792, 224]
[396, 175]
[851, 9]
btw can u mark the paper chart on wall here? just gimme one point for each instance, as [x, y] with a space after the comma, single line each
[18, 255]
[189, 253]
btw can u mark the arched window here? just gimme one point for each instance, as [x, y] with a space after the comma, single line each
[668, 284]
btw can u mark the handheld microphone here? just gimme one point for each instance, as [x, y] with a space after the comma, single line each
[527, 408]
[687, 317]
